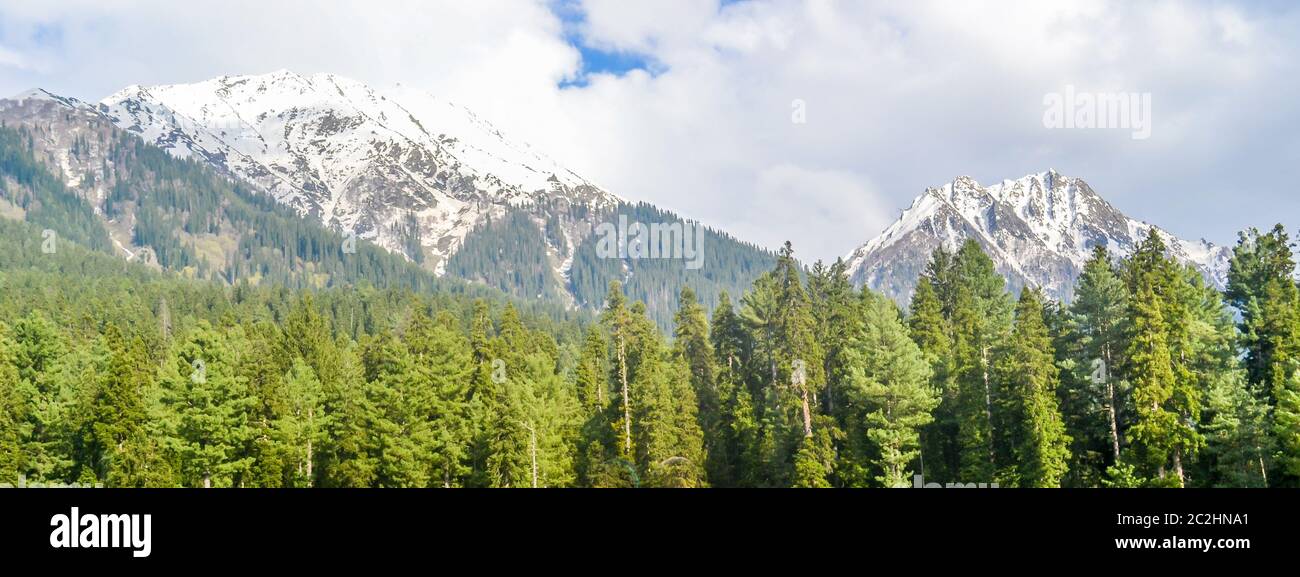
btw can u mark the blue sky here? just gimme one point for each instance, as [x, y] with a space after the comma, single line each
[596, 60]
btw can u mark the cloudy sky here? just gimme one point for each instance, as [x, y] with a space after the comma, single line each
[694, 104]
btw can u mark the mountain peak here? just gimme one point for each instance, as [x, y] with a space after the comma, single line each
[33, 94]
[1039, 229]
[357, 158]
[43, 95]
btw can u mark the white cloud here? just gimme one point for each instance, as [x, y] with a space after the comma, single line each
[645, 26]
[908, 95]
[900, 95]
[829, 201]
[11, 59]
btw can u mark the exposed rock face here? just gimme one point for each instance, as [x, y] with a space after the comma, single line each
[1039, 231]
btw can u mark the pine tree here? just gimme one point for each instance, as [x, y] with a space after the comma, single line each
[1093, 344]
[814, 458]
[211, 402]
[121, 453]
[442, 365]
[1286, 426]
[617, 321]
[1239, 446]
[1262, 288]
[12, 417]
[668, 444]
[302, 427]
[692, 347]
[399, 401]
[1160, 433]
[348, 458]
[833, 300]
[40, 355]
[592, 371]
[796, 333]
[981, 319]
[553, 424]
[1030, 376]
[777, 311]
[738, 425]
[889, 393]
[929, 329]
[595, 447]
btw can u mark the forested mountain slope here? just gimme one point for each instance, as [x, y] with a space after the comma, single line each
[208, 194]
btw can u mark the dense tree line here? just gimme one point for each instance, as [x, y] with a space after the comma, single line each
[510, 253]
[728, 265]
[114, 373]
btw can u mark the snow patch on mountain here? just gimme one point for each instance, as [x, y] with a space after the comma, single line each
[1039, 230]
[357, 158]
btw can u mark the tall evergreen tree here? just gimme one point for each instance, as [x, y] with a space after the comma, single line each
[617, 321]
[595, 447]
[122, 453]
[302, 426]
[1030, 376]
[777, 311]
[41, 356]
[890, 393]
[1286, 426]
[1098, 310]
[1262, 287]
[1161, 432]
[1239, 444]
[442, 364]
[211, 401]
[981, 320]
[12, 417]
[692, 347]
[738, 424]
[930, 330]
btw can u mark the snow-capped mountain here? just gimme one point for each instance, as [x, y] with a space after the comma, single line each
[397, 166]
[1039, 231]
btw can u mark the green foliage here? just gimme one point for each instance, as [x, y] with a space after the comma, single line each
[931, 331]
[1239, 447]
[117, 373]
[1091, 341]
[1165, 397]
[889, 391]
[207, 393]
[508, 253]
[12, 413]
[981, 319]
[728, 265]
[1262, 288]
[1287, 425]
[1030, 379]
[47, 202]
